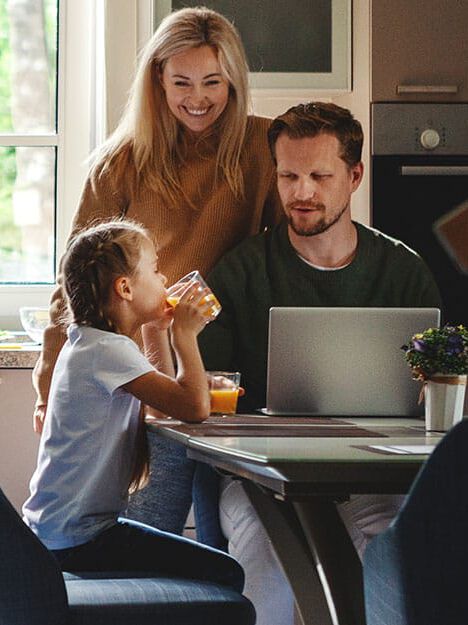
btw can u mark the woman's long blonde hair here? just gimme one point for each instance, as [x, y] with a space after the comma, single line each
[148, 135]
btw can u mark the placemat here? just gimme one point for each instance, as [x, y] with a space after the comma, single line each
[241, 419]
[260, 425]
[285, 432]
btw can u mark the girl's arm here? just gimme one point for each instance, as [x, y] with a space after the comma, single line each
[186, 396]
[158, 351]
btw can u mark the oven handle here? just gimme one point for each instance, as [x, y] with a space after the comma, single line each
[434, 170]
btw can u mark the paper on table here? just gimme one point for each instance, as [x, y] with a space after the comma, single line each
[405, 449]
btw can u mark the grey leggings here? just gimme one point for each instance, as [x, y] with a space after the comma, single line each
[166, 501]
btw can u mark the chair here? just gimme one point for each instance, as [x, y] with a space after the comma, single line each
[33, 590]
[416, 572]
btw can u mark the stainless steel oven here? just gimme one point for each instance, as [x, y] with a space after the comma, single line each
[419, 172]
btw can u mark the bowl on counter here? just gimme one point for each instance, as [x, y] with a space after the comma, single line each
[34, 320]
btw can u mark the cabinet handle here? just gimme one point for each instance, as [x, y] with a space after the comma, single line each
[427, 89]
[434, 170]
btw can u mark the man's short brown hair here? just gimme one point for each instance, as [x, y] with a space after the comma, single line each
[314, 118]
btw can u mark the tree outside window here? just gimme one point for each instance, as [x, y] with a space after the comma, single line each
[28, 140]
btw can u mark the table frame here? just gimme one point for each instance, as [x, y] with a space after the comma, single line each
[296, 504]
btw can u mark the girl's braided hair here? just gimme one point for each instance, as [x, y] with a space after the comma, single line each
[95, 257]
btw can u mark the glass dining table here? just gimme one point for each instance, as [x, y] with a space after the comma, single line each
[295, 469]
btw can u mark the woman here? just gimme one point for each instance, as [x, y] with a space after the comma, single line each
[188, 163]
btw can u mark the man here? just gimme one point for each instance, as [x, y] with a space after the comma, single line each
[317, 257]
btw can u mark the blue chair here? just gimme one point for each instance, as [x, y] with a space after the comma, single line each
[416, 572]
[33, 590]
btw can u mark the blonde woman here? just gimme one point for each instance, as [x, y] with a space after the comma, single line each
[188, 163]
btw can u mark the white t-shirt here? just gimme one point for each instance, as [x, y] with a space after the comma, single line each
[87, 447]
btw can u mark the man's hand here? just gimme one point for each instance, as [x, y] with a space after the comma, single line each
[39, 417]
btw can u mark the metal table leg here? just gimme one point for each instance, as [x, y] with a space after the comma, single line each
[336, 559]
[317, 557]
[284, 530]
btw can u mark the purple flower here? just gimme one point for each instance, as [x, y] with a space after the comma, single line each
[419, 345]
[454, 345]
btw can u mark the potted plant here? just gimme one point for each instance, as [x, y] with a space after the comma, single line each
[439, 357]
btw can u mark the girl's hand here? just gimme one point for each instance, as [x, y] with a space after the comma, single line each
[192, 312]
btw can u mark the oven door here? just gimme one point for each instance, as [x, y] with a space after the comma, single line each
[408, 194]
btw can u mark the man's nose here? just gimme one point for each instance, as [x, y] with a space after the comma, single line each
[305, 188]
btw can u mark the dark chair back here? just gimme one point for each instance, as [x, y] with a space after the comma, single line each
[415, 573]
[32, 590]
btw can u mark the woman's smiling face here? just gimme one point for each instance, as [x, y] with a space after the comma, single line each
[196, 90]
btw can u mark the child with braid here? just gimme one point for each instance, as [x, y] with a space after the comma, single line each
[90, 450]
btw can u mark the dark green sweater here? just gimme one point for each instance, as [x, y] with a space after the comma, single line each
[266, 271]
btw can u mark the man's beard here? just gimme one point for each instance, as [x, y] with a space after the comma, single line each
[322, 225]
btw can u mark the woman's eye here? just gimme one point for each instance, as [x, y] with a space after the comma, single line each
[179, 83]
[212, 83]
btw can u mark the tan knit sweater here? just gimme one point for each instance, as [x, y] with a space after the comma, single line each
[187, 237]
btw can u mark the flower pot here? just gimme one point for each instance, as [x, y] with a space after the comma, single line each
[444, 396]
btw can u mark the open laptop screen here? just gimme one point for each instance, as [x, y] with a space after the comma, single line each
[343, 361]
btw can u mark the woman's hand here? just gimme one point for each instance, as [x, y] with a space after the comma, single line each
[39, 418]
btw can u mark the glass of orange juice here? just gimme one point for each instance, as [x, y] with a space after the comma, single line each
[173, 299]
[224, 391]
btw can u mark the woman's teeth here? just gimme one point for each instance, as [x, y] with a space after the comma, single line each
[196, 111]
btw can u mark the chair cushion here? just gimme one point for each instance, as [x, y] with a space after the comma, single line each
[32, 591]
[125, 599]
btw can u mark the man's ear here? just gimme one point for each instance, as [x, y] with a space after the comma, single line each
[123, 288]
[357, 172]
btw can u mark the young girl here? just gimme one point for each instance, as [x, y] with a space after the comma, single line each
[89, 454]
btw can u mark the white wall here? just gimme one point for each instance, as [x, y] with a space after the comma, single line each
[18, 442]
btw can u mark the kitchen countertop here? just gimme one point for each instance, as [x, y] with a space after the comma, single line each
[18, 352]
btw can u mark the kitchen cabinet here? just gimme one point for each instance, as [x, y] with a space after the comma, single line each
[419, 51]
[18, 441]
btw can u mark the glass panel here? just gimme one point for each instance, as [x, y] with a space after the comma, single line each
[289, 45]
[308, 49]
[28, 66]
[27, 210]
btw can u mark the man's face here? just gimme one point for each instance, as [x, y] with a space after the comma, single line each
[314, 183]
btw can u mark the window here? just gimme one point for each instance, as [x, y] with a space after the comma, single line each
[28, 127]
[46, 95]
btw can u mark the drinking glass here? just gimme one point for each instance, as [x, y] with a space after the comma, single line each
[173, 298]
[224, 391]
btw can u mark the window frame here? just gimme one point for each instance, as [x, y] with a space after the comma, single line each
[73, 142]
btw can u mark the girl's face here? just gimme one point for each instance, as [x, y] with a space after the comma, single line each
[196, 90]
[149, 292]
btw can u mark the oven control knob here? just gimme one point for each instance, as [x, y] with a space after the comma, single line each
[430, 139]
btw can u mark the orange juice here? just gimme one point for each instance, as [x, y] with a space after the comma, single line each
[215, 305]
[172, 300]
[215, 309]
[223, 401]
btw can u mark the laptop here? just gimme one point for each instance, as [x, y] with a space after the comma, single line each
[343, 361]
